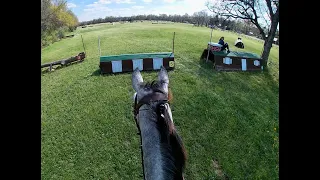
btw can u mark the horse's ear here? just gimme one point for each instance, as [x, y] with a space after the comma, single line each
[163, 79]
[136, 79]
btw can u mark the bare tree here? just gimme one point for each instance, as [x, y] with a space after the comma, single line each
[255, 12]
[201, 18]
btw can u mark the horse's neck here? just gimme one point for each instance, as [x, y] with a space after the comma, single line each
[152, 157]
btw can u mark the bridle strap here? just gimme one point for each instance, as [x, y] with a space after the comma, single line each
[157, 96]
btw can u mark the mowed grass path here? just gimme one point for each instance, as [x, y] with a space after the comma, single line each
[87, 126]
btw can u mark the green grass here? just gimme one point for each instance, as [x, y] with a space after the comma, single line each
[87, 126]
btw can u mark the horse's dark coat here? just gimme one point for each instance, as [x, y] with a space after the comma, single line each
[163, 151]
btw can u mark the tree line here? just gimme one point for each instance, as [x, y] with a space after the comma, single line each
[56, 20]
[201, 18]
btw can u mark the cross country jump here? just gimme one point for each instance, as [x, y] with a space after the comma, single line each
[143, 61]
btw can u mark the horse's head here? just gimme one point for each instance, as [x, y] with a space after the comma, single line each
[144, 89]
[163, 151]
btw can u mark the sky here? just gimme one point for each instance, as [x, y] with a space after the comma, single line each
[87, 10]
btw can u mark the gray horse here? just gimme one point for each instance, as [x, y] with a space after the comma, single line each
[163, 153]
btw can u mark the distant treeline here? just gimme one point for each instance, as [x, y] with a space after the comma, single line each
[198, 19]
[56, 20]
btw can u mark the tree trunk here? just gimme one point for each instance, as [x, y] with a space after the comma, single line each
[268, 42]
[266, 50]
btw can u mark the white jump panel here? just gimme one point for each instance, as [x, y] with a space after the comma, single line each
[157, 63]
[116, 66]
[137, 63]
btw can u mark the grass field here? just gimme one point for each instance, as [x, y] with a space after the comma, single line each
[87, 126]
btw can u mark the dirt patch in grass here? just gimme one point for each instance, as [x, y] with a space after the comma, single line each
[218, 170]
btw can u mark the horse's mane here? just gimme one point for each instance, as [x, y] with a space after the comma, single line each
[171, 146]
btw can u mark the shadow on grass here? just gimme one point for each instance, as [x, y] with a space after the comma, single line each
[98, 72]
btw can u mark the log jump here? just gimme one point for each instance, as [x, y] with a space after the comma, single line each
[64, 62]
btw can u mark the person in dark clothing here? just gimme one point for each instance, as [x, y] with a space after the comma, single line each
[224, 45]
[239, 43]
